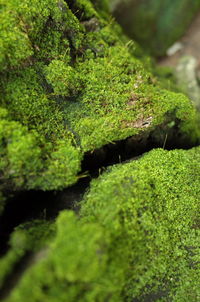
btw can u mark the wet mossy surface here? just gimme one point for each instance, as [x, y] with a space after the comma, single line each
[72, 85]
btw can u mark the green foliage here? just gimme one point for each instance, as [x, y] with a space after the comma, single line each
[150, 206]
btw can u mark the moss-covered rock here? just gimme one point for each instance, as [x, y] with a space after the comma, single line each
[69, 85]
[151, 207]
[137, 237]
[153, 23]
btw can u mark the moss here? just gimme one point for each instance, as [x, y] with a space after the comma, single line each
[27, 163]
[75, 87]
[152, 206]
[14, 43]
[76, 268]
[27, 238]
[61, 77]
[137, 237]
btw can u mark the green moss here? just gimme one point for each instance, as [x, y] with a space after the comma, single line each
[152, 206]
[26, 238]
[14, 43]
[77, 267]
[118, 100]
[71, 83]
[61, 76]
[28, 162]
[137, 236]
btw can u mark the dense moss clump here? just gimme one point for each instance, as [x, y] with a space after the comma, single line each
[70, 84]
[137, 237]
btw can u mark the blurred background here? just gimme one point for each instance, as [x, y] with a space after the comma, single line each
[168, 30]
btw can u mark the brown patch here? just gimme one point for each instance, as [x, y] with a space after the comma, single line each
[133, 100]
[140, 123]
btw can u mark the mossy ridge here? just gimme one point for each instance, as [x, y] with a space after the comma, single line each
[118, 100]
[28, 97]
[138, 233]
[153, 204]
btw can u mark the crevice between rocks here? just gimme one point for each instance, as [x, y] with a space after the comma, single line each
[37, 204]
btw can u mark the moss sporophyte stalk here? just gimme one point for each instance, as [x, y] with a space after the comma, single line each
[71, 83]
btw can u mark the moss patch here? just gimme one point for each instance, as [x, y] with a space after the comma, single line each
[137, 237]
[151, 207]
[70, 84]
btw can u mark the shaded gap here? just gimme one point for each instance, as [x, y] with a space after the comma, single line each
[29, 205]
[132, 147]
